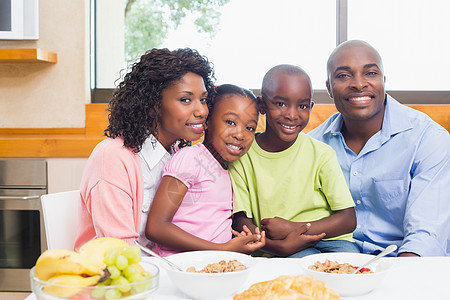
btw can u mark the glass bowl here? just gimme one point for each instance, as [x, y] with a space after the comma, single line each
[141, 290]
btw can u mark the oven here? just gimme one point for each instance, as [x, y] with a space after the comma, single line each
[22, 232]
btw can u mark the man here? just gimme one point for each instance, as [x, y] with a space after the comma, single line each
[395, 159]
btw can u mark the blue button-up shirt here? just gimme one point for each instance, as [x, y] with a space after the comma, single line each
[400, 181]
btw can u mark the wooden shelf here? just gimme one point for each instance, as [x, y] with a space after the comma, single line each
[27, 55]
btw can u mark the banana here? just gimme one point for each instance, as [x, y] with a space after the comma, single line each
[77, 269]
[58, 261]
[95, 249]
[68, 285]
[139, 268]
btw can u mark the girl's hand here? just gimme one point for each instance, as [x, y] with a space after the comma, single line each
[246, 243]
[278, 228]
[245, 231]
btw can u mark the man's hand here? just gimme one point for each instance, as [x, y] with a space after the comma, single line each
[277, 228]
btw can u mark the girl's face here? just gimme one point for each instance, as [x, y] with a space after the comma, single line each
[232, 125]
[183, 110]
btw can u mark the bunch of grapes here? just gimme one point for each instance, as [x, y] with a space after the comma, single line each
[123, 266]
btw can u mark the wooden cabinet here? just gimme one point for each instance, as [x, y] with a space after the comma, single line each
[27, 55]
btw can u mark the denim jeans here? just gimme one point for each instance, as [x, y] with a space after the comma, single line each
[328, 246]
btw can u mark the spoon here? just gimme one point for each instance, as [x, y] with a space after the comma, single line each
[148, 251]
[385, 252]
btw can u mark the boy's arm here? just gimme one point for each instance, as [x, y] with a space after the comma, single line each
[294, 242]
[240, 219]
[339, 223]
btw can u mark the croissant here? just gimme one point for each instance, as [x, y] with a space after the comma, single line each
[287, 288]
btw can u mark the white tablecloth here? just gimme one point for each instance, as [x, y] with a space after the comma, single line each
[410, 278]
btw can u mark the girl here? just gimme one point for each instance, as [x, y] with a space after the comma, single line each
[161, 100]
[193, 204]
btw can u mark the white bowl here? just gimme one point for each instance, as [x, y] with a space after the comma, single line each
[348, 284]
[208, 285]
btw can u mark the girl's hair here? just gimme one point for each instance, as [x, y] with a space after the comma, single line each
[135, 107]
[229, 89]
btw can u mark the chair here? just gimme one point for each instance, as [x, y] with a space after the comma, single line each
[60, 212]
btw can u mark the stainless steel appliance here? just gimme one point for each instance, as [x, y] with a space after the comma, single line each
[22, 232]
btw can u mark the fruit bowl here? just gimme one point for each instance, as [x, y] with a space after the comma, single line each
[208, 285]
[143, 289]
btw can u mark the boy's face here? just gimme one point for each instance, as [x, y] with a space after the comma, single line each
[287, 105]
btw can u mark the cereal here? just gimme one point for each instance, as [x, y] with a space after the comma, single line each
[220, 267]
[335, 267]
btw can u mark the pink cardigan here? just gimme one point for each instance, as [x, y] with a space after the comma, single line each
[112, 191]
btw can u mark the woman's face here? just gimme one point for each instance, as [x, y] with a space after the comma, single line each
[183, 110]
[232, 125]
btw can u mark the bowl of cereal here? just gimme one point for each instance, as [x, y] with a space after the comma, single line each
[209, 274]
[335, 270]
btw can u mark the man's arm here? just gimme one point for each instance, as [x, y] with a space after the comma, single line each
[427, 215]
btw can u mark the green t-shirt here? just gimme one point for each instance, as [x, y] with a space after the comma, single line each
[303, 183]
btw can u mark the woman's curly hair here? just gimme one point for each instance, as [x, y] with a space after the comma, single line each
[135, 107]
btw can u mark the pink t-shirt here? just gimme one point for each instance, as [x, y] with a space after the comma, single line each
[206, 208]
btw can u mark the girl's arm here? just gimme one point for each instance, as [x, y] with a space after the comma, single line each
[160, 228]
[339, 223]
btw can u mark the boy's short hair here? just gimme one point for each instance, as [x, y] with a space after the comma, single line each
[283, 69]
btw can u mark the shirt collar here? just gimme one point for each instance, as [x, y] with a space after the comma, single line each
[152, 151]
[394, 120]
[335, 124]
[391, 124]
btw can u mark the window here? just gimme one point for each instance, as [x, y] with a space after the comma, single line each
[251, 36]
[412, 38]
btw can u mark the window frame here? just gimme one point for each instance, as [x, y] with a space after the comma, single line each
[102, 95]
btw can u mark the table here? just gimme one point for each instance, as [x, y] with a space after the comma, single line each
[410, 278]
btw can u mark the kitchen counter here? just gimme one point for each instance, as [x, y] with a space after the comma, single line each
[56, 142]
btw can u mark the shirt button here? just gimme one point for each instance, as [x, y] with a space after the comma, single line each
[355, 173]
[358, 201]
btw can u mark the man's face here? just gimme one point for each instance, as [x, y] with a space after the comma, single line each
[356, 83]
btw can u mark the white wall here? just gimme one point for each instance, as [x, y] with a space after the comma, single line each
[43, 95]
[64, 174]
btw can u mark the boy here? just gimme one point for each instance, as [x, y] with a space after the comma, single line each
[289, 184]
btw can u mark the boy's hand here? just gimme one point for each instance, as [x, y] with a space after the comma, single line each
[297, 240]
[246, 243]
[277, 228]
